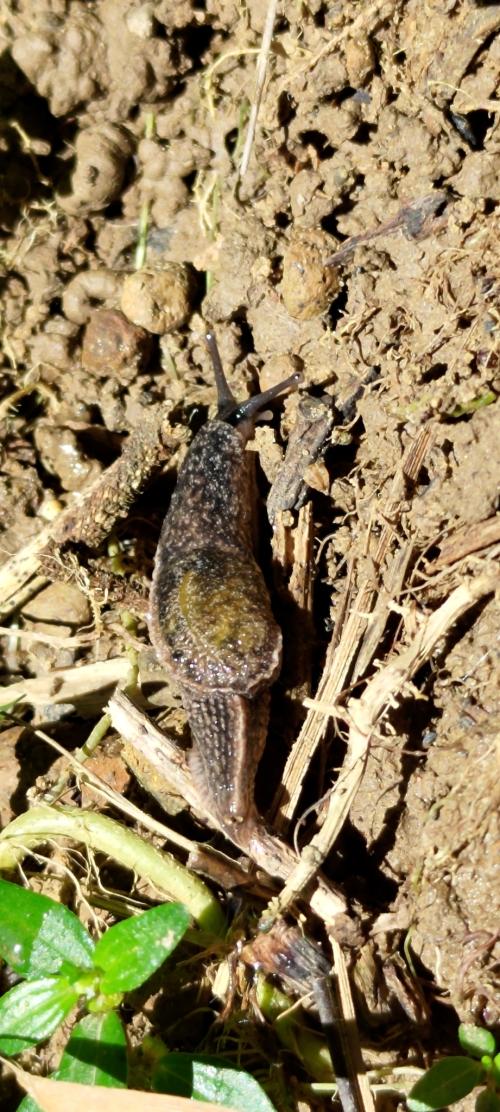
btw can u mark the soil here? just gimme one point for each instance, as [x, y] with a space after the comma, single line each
[377, 143]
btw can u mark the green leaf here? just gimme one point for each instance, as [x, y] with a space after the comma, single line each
[96, 1054]
[488, 1101]
[7, 708]
[39, 937]
[476, 1040]
[28, 1105]
[132, 950]
[31, 1011]
[206, 1078]
[444, 1083]
[496, 1070]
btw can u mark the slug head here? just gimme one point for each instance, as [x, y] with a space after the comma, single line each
[236, 413]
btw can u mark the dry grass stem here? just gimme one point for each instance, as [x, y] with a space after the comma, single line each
[365, 714]
[342, 655]
[262, 61]
[89, 685]
[123, 805]
[30, 636]
[349, 1027]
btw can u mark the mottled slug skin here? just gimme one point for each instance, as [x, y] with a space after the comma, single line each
[211, 621]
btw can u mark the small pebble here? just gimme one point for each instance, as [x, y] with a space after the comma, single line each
[158, 300]
[308, 287]
[360, 61]
[112, 345]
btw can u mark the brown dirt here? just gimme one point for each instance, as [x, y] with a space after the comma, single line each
[367, 110]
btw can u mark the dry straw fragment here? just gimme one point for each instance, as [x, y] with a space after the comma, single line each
[365, 714]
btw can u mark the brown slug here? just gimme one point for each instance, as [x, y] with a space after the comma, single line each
[211, 621]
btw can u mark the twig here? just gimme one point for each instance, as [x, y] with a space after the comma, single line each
[466, 540]
[90, 683]
[259, 85]
[101, 505]
[352, 1048]
[267, 851]
[414, 219]
[31, 635]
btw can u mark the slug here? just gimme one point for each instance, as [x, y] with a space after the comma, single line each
[210, 618]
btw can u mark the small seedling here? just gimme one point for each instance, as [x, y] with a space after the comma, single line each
[61, 966]
[46, 944]
[455, 1077]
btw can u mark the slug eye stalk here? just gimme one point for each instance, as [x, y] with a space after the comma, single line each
[228, 408]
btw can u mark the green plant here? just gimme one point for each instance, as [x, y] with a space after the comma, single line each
[454, 1077]
[61, 966]
[46, 944]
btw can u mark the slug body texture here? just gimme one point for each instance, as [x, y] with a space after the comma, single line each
[211, 622]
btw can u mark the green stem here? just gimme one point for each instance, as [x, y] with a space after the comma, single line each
[143, 226]
[293, 1034]
[100, 833]
[94, 739]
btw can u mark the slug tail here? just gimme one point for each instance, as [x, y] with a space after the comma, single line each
[228, 738]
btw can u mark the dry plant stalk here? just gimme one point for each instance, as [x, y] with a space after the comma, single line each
[120, 802]
[415, 219]
[89, 683]
[365, 714]
[466, 540]
[262, 61]
[102, 504]
[265, 850]
[349, 1025]
[341, 657]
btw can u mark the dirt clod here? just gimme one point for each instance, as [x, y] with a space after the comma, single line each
[112, 345]
[101, 154]
[157, 300]
[308, 286]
